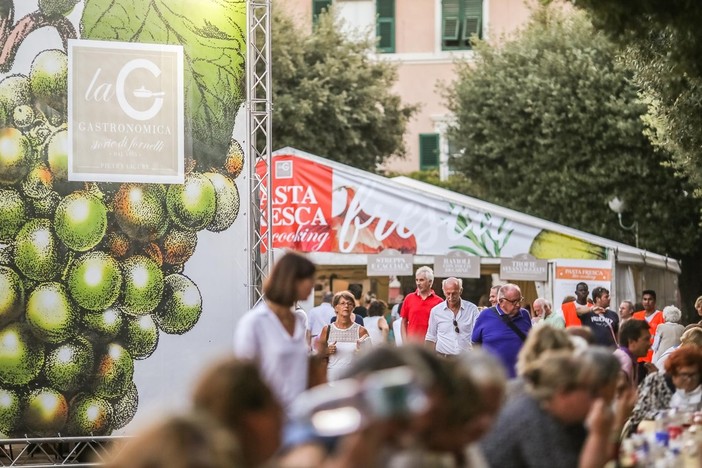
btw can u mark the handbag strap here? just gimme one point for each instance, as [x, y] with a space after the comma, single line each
[511, 324]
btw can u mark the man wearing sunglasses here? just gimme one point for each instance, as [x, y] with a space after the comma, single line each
[451, 321]
[502, 329]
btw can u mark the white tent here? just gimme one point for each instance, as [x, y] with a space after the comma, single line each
[340, 214]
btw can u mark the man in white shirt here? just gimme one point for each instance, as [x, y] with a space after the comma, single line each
[319, 316]
[451, 322]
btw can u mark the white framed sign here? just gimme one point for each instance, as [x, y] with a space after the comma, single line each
[458, 264]
[125, 112]
[390, 262]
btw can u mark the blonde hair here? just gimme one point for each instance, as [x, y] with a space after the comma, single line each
[556, 371]
[539, 340]
[181, 441]
[693, 336]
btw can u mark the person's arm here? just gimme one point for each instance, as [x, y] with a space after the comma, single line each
[597, 450]
[363, 339]
[476, 337]
[623, 409]
[404, 321]
[586, 309]
[430, 337]
[322, 347]
[384, 329]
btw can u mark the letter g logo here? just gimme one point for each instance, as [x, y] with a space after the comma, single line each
[121, 98]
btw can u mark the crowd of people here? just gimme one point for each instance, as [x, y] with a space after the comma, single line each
[457, 385]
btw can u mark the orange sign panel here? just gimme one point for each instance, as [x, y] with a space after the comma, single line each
[583, 274]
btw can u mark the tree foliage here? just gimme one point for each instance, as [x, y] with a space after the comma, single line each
[551, 124]
[332, 98]
[664, 42]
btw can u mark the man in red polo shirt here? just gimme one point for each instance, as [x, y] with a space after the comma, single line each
[651, 315]
[417, 307]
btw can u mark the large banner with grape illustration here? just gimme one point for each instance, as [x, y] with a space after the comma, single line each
[116, 292]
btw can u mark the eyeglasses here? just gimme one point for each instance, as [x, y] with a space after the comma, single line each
[687, 375]
[514, 302]
[455, 326]
[345, 304]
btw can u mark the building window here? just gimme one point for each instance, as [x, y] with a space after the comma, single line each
[319, 6]
[460, 19]
[385, 26]
[428, 151]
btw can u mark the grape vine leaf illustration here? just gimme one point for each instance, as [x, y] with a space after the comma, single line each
[214, 49]
[487, 239]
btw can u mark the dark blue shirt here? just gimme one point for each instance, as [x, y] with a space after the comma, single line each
[605, 327]
[498, 338]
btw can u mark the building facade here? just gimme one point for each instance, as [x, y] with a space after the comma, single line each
[424, 38]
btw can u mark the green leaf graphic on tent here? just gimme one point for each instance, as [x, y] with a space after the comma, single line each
[483, 238]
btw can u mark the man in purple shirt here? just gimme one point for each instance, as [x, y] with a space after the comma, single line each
[502, 329]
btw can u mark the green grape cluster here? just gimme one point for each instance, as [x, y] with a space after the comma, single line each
[90, 274]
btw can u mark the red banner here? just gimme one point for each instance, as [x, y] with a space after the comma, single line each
[301, 204]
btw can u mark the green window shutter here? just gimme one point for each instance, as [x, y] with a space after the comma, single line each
[428, 151]
[451, 26]
[450, 23]
[473, 8]
[319, 6]
[472, 19]
[385, 26]
[460, 19]
[471, 25]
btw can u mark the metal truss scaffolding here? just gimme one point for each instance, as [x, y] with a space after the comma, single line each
[58, 451]
[258, 127]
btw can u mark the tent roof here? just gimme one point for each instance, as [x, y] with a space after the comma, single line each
[624, 253]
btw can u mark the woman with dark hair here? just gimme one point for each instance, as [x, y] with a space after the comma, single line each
[679, 387]
[273, 334]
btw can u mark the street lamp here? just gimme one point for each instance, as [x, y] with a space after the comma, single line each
[617, 205]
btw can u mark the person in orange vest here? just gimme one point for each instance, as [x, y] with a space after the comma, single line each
[649, 313]
[580, 304]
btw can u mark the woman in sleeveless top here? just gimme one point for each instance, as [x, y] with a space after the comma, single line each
[344, 337]
[376, 324]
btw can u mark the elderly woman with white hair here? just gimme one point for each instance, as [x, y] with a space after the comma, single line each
[667, 334]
